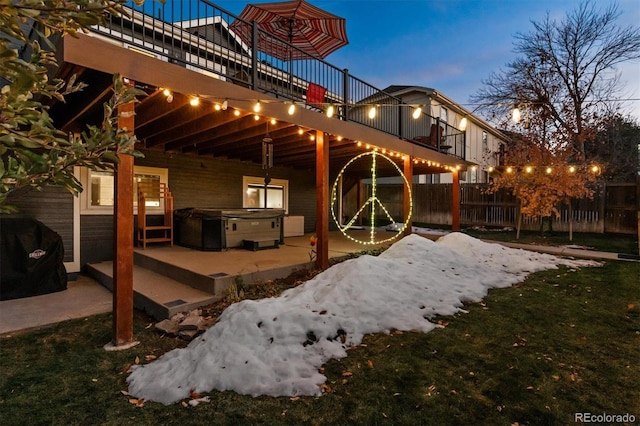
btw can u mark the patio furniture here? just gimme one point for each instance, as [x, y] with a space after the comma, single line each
[315, 95]
[152, 232]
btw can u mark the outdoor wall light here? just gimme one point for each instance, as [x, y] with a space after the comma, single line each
[257, 107]
[292, 109]
[463, 124]
[372, 112]
[416, 113]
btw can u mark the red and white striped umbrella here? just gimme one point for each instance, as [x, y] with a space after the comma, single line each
[313, 31]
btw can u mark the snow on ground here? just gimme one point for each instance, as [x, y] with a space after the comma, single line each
[276, 346]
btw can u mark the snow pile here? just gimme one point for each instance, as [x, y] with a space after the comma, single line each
[276, 346]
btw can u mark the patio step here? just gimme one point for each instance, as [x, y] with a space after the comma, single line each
[156, 294]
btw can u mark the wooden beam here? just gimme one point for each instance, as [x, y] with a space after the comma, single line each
[407, 204]
[322, 200]
[455, 202]
[123, 242]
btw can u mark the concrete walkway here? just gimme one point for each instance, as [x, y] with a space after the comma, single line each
[85, 296]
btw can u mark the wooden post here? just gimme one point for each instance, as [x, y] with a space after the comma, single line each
[123, 243]
[455, 201]
[407, 204]
[322, 201]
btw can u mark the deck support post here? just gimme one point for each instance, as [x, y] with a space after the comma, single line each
[123, 242]
[322, 200]
[455, 201]
[407, 204]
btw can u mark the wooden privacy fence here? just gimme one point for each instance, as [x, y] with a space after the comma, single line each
[613, 208]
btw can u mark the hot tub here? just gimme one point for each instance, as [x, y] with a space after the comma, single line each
[212, 229]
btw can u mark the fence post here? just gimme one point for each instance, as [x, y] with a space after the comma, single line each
[601, 208]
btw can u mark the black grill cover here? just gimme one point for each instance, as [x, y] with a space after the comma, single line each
[32, 259]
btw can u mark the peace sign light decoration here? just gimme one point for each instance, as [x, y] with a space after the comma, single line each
[370, 203]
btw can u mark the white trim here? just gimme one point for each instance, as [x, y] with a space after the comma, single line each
[257, 180]
[85, 198]
[74, 266]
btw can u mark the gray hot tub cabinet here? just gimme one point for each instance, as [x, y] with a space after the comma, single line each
[213, 229]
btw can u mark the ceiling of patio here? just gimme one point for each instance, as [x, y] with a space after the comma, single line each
[177, 127]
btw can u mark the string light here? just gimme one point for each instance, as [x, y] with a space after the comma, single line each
[330, 111]
[372, 201]
[257, 107]
[194, 101]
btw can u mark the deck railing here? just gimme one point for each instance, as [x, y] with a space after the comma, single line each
[196, 35]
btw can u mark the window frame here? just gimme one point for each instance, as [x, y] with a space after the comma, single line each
[85, 197]
[259, 181]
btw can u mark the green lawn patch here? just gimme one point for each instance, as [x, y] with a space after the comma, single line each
[562, 342]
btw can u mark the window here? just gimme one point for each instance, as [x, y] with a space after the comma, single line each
[443, 114]
[254, 193]
[99, 192]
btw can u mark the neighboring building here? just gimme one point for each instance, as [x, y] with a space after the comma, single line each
[482, 141]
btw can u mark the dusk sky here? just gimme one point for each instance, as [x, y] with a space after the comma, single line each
[447, 45]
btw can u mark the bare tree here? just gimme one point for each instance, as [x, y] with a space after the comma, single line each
[565, 76]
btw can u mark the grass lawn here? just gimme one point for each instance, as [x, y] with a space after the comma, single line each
[562, 342]
[616, 243]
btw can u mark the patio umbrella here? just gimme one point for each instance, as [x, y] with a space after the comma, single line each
[314, 32]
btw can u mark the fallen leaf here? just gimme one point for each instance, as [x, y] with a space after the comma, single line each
[195, 402]
[529, 387]
[453, 392]
[294, 398]
[555, 377]
[150, 357]
[347, 374]
[137, 402]
[194, 395]
[137, 361]
[344, 381]
[384, 415]
[321, 370]
[149, 326]
[125, 393]
[397, 394]
[284, 413]
[94, 380]
[127, 368]
[184, 404]
[370, 363]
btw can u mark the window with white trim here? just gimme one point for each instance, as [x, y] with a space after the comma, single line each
[277, 193]
[99, 189]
